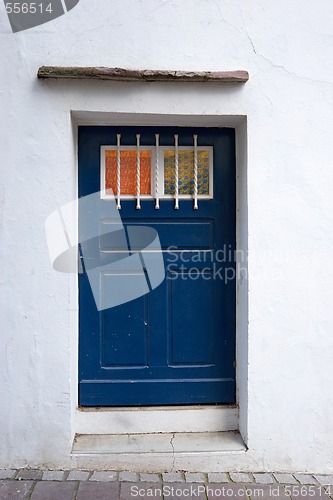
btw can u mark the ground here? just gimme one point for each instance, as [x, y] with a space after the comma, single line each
[31, 484]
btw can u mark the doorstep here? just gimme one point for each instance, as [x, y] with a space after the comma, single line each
[158, 451]
[136, 420]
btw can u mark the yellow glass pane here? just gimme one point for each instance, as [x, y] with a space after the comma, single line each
[128, 170]
[186, 172]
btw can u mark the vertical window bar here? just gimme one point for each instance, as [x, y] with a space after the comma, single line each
[176, 173]
[138, 205]
[118, 171]
[157, 202]
[195, 140]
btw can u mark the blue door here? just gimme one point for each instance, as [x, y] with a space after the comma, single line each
[175, 344]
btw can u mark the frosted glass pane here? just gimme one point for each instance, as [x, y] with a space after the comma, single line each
[186, 172]
[128, 171]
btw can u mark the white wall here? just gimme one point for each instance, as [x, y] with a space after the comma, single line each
[287, 369]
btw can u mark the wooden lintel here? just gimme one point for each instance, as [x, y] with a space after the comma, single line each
[145, 75]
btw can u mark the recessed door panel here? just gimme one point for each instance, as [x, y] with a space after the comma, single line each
[191, 309]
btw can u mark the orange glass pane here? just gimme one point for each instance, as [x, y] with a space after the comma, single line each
[128, 171]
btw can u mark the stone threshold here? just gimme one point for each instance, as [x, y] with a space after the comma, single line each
[145, 75]
[158, 452]
[162, 443]
[153, 420]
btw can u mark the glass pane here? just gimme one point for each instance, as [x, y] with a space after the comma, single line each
[128, 171]
[186, 172]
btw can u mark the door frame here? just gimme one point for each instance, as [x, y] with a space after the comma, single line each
[87, 418]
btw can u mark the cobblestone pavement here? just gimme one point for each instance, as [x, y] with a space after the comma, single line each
[31, 484]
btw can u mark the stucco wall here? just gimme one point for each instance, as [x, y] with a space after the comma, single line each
[286, 193]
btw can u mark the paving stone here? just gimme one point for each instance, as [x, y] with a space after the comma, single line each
[128, 476]
[142, 490]
[97, 491]
[50, 490]
[173, 477]
[217, 477]
[307, 492]
[78, 475]
[53, 475]
[15, 490]
[268, 492]
[195, 477]
[305, 478]
[7, 473]
[182, 490]
[32, 474]
[104, 476]
[264, 478]
[229, 490]
[150, 478]
[241, 477]
[322, 491]
[285, 478]
[322, 479]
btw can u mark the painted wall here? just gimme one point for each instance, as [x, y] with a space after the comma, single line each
[286, 207]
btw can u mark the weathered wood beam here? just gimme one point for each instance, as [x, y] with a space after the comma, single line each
[145, 75]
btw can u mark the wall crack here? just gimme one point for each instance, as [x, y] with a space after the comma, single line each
[173, 452]
[280, 66]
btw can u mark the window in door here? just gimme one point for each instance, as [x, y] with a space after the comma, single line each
[160, 172]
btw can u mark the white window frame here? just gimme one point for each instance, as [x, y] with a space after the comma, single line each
[161, 194]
